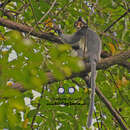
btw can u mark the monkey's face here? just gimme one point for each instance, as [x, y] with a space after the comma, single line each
[80, 23]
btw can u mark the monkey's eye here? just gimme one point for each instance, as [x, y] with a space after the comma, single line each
[75, 24]
[79, 24]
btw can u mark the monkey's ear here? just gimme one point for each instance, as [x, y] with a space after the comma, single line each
[80, 18]
[85, 22]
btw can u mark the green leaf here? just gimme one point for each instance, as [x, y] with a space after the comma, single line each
[3, 115]
[17, 103]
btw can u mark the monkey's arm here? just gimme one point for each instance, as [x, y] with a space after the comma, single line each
[73, 38]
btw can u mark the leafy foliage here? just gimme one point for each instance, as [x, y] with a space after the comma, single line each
[25, 59]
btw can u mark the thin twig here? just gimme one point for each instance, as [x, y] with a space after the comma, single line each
[112, 81]
[114, 38]
[37, 109]
[33, 13]
[63, 8]
[123, 15]
[41, 18]
[47, 12]
[35, 20]
[121, 115]
[96, 119]
[24, 6]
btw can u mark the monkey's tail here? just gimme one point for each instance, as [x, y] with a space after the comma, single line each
[93, 84]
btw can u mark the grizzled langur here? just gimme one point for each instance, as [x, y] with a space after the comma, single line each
[92, 49]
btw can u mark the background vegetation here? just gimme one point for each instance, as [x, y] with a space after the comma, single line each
[34, 64]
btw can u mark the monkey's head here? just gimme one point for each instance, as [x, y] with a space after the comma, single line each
[80, 23]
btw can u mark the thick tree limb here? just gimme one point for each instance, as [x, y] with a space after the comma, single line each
[119, 59]
[104, 64]
[107, 62]
[27, 29]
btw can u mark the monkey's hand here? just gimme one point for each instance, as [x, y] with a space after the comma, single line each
[57, 29]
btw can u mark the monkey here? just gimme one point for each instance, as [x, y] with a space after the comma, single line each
[92, 44]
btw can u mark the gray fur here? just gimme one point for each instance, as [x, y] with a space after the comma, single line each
[93, 45]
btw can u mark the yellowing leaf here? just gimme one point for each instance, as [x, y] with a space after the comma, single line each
[48, 23]
[25, 123]
[112, 48]
[85, 90]
[119, 83]
[124, 81]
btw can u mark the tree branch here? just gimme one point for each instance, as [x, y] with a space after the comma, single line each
[111, 109]
[26, 29]
[103, 64]
[123, 15]
[47, 11]
[37, 109]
